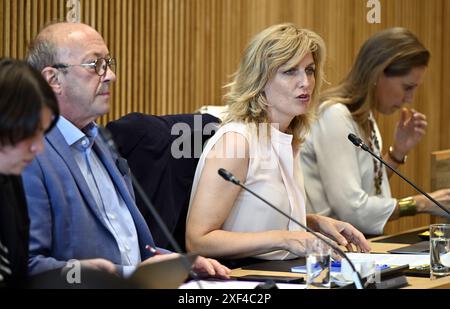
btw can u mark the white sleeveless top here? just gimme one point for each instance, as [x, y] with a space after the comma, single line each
[274, 173]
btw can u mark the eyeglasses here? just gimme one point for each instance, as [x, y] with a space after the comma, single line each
[100, 65]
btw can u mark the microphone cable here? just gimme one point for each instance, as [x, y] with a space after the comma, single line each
[359, 143]
[107, 138]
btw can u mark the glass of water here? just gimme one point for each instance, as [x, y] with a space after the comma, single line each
[439, 250]
[318, 264]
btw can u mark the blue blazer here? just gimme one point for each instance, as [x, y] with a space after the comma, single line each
[65, 222]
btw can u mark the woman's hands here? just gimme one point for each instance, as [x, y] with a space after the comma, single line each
[424, 205]
[342, 232]
[410, 130]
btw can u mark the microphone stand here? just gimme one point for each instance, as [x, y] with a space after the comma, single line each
[359, 143]
[107, 137]
[231, 178]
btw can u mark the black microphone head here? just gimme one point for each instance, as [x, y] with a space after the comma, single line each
[122, 165]
[225, 174]
[104, 132]
[228, 176]
[107, 138]
[355, 140]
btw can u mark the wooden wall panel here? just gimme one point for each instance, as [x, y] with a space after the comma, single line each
[175, 55]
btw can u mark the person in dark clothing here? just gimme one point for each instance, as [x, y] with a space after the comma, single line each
[28, 109]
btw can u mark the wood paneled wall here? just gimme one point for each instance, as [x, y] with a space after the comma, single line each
[175, 55]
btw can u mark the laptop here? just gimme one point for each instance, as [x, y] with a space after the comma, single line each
[169, 274]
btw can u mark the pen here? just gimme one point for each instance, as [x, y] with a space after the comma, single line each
[152, 250]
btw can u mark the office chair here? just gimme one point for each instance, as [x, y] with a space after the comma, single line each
[152, 146]
[440, 176]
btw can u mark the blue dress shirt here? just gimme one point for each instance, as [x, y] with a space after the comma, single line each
[108, 199]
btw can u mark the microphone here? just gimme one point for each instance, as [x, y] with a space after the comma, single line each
[359, 143]
[230, 177]
[107, 138]
[122, 165]
[121, 162]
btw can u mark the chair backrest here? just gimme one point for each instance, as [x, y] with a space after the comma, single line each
[163, 152]
[440, 176]
[440, 169]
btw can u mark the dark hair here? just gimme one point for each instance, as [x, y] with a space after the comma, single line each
[23, 95]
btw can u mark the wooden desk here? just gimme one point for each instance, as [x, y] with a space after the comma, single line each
[377, 247]
[414, 282]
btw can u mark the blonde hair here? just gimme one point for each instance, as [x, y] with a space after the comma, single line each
[392, 52]
[265, 54]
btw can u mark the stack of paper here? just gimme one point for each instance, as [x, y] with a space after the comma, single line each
[392, 259]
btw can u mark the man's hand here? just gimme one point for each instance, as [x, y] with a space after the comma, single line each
[101, 265]
[203, 267]
[210, 268]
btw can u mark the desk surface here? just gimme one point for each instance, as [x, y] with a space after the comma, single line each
[377, 247]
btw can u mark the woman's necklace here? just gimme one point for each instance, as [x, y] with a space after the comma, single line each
[374, 145]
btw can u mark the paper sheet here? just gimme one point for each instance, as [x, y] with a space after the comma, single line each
[236, 284]
[392, 259]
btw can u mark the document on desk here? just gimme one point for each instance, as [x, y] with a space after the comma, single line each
[392, 259]
[235, 284]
